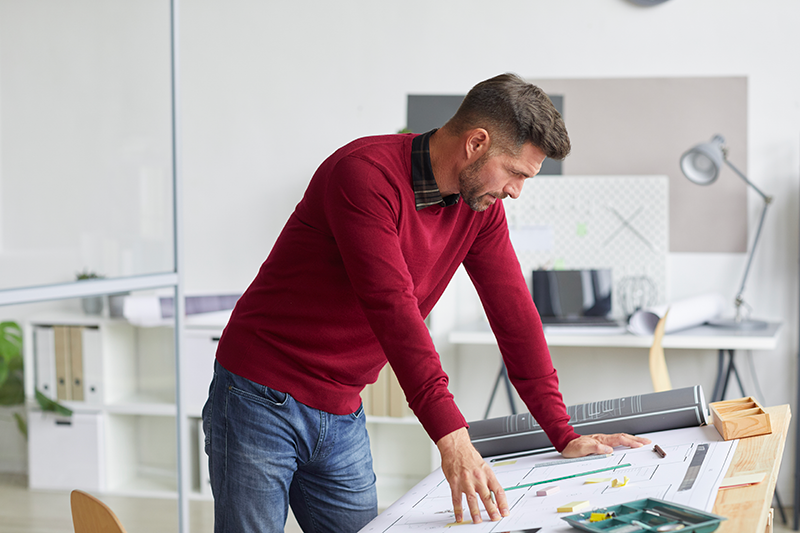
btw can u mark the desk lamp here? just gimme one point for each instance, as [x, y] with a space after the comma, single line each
[701, 164]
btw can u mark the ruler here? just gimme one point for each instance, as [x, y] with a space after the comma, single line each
[571, 460]
[589, 473]
[694, 467]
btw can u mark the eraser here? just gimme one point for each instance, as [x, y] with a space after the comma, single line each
[549, 490]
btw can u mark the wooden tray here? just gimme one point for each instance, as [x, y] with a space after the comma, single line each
[744, 417]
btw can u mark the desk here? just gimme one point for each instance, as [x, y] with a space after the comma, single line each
[726, 341]
[747, 508]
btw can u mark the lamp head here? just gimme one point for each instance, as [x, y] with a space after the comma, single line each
[701, 163]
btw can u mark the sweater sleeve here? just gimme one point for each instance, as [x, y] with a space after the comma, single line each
[362, 209]
[495, 271]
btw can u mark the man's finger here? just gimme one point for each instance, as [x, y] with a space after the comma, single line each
[474, 509]
[499, 497]
[491, 506]
[457, 509]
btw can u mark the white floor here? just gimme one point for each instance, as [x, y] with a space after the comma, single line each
[26, 511]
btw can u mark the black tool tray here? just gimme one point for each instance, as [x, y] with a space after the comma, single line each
[647, 515]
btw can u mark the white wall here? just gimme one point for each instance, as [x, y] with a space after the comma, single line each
[271, 88]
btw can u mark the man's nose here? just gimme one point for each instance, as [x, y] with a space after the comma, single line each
[513, 189]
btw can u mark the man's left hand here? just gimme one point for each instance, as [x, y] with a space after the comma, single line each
[601, 443]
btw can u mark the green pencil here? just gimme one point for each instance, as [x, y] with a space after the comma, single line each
[590, 472]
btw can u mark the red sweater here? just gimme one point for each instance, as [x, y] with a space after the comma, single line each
[351, 278]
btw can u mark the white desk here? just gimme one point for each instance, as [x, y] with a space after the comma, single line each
[726, 341]
[698, 338]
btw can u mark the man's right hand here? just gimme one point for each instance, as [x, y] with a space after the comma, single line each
[467, 473]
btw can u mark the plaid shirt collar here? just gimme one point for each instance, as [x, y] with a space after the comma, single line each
[426, 191]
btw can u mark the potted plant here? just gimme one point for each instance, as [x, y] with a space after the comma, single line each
[12, 379]
[92, 305]
[12, 384]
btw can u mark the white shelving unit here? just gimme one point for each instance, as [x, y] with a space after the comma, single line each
[133, 372]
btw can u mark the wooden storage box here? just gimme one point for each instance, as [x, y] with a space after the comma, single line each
[744, 417]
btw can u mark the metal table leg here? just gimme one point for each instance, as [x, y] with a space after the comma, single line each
[502, 376]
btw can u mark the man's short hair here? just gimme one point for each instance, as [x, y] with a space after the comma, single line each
[514, 112]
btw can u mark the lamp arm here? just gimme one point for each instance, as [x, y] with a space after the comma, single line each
[766, 198]
[739, 299]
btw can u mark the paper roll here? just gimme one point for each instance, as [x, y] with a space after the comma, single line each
[683, 314]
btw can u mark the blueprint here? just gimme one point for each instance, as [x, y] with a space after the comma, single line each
[690, 474]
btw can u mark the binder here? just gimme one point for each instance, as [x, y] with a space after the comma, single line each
[398, 406]
[76, 362]
[366, 400]
[380, 393]
[63, 368]
[92, 344]
[45, 360]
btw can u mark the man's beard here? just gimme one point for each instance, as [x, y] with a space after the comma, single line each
[470, 185]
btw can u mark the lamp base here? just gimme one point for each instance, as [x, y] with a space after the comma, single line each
[741, 325]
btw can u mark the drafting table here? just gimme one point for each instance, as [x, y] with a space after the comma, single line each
[726, 341]
[748, 508]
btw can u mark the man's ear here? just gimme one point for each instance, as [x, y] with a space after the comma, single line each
[476, 143]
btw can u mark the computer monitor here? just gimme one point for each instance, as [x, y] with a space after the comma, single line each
[572, 296]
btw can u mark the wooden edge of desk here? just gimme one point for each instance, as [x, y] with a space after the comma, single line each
[747, 508]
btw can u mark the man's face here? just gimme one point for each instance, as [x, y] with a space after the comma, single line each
[496, 176]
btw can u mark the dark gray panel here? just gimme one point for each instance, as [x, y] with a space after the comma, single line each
[428, 111]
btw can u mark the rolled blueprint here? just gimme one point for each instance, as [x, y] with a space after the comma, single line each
[646, 413]
[683, 314]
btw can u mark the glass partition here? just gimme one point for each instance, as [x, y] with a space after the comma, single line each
[85, 140]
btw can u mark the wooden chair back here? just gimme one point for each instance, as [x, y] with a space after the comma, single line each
[90, 515]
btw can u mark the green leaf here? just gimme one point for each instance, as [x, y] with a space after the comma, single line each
[10, 343]
[12, 392]
[22, 425]
[49, 405]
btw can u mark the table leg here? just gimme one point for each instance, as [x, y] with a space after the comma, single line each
[502, 375]
[717, 396]
[509, 389]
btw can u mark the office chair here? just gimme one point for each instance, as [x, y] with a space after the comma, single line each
[90, 515]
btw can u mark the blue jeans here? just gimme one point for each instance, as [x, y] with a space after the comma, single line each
[267, 451]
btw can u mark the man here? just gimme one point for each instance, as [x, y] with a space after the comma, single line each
[382, 228]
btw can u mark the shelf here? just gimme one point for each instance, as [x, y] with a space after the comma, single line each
[138, 406]
[406, 420]
[153, 484]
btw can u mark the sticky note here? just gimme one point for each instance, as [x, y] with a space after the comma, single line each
[596, 480]
[549, 490]
[505, 463]
[573, 507]
[743, 480]
[599, 517]
[618, 483]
